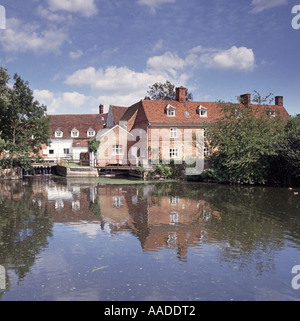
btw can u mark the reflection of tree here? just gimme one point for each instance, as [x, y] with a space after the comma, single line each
[25, 226]
[94, 206]
[253, 225]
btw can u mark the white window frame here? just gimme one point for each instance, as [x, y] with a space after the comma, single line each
[174, 153]
[91, 133]
[202, 112]
[118, 201]
[174, 200]
[74, 133]
[66, 151]
[171, 113]
[117, 150]
[272, 113]
[206, 151]
[59, 134]
[173, 132]
[173, 218]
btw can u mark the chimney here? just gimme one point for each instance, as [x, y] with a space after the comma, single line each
[246, 99]
[181, 94]
[279, 100]
[101, 109]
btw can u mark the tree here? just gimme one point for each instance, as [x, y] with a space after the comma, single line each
[286, 165]
[243, 143]
[166, 91]
[23, 121]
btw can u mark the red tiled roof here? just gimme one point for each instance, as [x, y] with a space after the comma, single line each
[187, 112]
[118, 113]
[82, 123]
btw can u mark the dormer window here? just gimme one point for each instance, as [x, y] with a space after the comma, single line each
[91, 132]
[59, 133]
[170, 111]
[202, 111]
[272, 113]
[74, 133]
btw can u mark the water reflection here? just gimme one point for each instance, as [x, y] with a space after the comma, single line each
[248, 226]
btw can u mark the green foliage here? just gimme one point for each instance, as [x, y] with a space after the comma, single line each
[141, 169]
[94, 145]
[163, 170]
[243, 143]
[23, 121]
[166, 91]
[286, 164]
[210, 174]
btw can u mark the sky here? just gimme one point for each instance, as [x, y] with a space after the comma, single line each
[78, 54]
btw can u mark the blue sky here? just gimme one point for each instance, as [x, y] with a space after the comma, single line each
[77, 54]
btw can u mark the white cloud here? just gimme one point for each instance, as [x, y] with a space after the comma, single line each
[123, 86]
[240, 59]
[154, 4]
[85, 7]
[64, 102]
[118, 85]
[76, 54]
[261, 5]
[112, 79]
[167, 64]
[20, 37]
[46, 13]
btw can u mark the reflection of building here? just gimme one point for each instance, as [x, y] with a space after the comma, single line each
[175, 221]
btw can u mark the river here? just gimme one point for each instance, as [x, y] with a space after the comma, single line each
[77, 239]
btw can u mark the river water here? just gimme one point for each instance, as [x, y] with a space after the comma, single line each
[75, 239]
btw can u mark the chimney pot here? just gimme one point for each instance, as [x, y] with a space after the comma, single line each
[246, 99]
[279, 100]
[181, 94]
[101, 109]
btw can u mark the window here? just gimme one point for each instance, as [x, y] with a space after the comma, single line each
[173, 218]
[59, 133]
[91, 132]
[174, 153]
[272, 113]
[51, 151]
[74, 133]
[206, 151]
[170, 110]
[173, 132]
[187, 114]
[76, 205]
[66, 151]
[174, 200]
[171, 113]
[117, 150]
[117, 201]
[202, 111]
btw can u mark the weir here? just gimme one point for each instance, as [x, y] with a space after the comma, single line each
[40, 170]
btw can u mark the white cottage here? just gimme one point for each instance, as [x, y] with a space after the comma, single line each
[70, 135]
